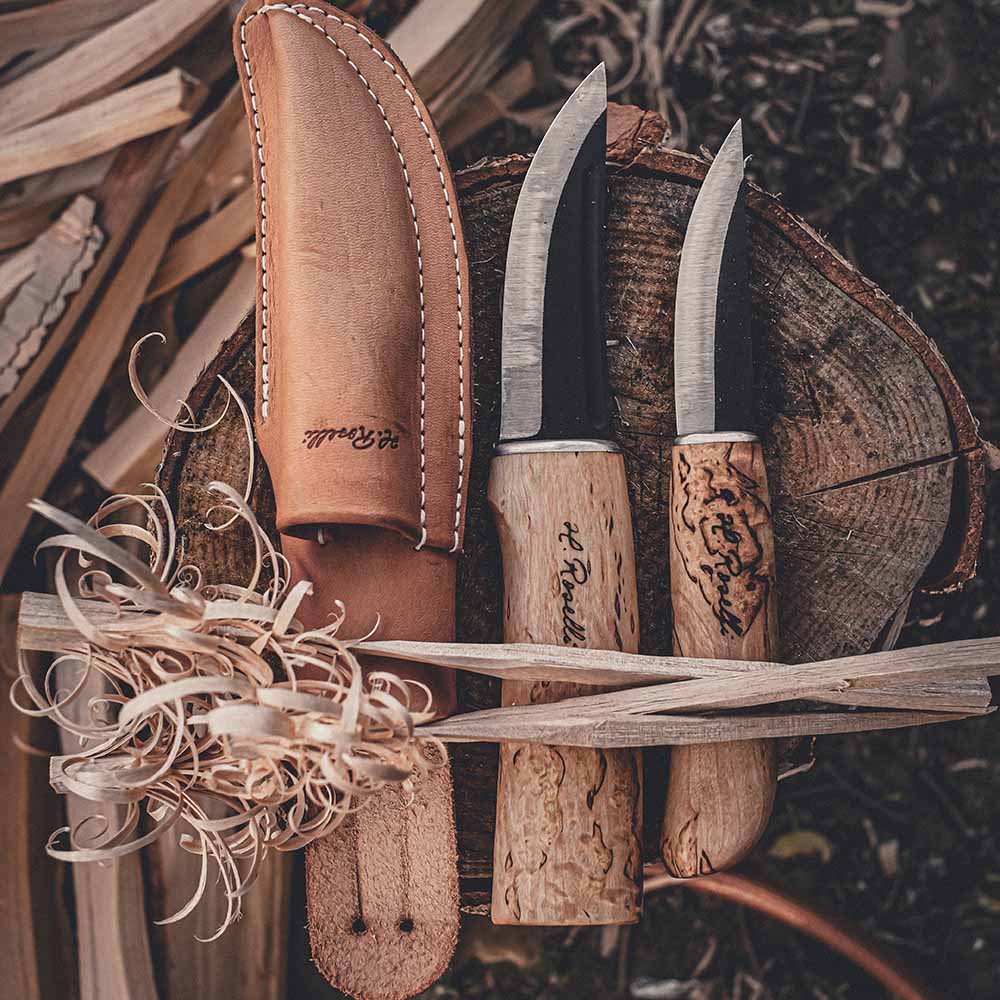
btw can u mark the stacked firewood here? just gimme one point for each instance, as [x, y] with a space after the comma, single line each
[127, 206]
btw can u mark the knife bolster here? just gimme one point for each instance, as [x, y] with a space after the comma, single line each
[567, 849]
[722, 584]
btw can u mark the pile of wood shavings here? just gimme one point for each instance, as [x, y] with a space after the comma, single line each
[217, 718]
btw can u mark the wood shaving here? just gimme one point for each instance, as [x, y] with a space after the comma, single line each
[224, 722]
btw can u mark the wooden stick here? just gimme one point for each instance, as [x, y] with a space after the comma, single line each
[95, 128]
[22, 223]
[99, 344]
[942, 688]
[120, 198]
[35, 937]
[230, 173]
[482, 109]
[217, 236]
[694, 682]
[61, 21]
[130, 454]
[60, 257]
[616, 731]
[55, 186]
[113, 57]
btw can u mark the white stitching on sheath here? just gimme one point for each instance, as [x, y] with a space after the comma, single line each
[296, 10]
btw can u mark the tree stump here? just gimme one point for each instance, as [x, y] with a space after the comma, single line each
[876, 470]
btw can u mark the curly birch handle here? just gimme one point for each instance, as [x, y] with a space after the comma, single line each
[723, 590]
[568, 839]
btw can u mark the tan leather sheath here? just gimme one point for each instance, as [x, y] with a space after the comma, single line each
[363, 389]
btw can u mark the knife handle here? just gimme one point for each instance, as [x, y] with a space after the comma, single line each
[722, 585]
[568, 839]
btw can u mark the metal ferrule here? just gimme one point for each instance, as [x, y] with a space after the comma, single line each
[549, 447]
[715, 437]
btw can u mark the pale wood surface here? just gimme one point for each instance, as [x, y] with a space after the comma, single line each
[943, 675]
[120, 198]
[132, 452]
[220, 234]
[104, 62]
[60, 258]
[568, 848]
[60, 21]
[93, 129]
[84, 372]
[35, 938]
[112, 943]
[724, 597]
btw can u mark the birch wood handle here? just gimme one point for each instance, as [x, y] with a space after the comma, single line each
[723, 589]
[568, 840]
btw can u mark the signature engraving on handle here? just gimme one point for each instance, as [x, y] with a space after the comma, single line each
[573, 574]
[719, 507]
[360, 437]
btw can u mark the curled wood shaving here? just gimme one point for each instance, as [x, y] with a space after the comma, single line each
[222, 720]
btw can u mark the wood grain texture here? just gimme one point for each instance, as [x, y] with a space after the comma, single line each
[568, 844]
[108, 123]
[114, 56]
[850, 553]
[724, 601]
[36, 943]
[120, 197]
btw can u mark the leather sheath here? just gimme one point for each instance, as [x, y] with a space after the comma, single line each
[363, 390]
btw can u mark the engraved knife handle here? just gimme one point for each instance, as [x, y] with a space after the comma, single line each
[722, 584]
[568, 836]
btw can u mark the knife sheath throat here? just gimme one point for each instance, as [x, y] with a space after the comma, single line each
[724, 606]
[568, 841]
[363, 388]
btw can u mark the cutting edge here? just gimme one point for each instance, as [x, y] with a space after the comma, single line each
[527, 256]
[697, 288]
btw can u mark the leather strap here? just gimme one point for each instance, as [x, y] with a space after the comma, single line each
[362, 395]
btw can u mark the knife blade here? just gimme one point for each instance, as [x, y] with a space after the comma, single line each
[567, 844]
[722, 568]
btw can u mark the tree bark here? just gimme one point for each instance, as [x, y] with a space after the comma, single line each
[876, 472]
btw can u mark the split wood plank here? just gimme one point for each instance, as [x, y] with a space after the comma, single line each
[94, 354]
[692, 683]
[61, 21]
[677, 730]
[120, 198]
[480, 111]
[227, 176]
[106, 124]
[219, 235]
[113, 953]
[36, 943]
[60, 259]
[104, 62]
[55, 185]
[21, 224]
[131, 453]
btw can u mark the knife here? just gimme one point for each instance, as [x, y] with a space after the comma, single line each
[721, 542]
[567, 844]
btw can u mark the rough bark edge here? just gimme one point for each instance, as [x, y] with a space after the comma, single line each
[634, 137]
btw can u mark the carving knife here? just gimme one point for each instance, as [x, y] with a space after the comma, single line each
[721, 543]
[567, 847]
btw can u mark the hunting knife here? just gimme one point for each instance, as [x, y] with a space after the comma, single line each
[722, 572]
[567, 846]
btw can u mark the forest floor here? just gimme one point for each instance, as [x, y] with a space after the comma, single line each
[879, 123]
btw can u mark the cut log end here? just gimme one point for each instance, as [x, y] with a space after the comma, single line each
[875, 468]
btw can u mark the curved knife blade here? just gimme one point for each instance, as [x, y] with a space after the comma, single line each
[554, 366]
[713, 362]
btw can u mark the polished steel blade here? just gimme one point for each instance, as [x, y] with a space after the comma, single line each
[712, 360]
[528, 256]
